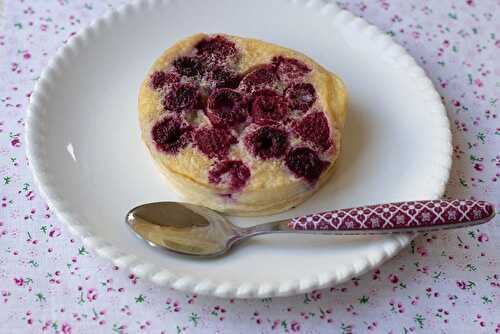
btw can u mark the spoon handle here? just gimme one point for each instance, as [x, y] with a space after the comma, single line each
[413, 216]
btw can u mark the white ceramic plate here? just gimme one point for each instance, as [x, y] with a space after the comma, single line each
[85, 150]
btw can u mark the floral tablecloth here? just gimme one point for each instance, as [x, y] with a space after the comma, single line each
[445, 282]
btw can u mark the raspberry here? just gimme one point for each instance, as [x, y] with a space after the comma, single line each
[305, 163]
[217, 49]
[262, 76]
[213, 142]
[290, 69]
[314, 128]
[171, 134]
[230, 172]
[160, 79]
[268, 107]
[301, 96]
[221, 77]
[182, 97]
[189, 66]
[226, 107]
[267, 142]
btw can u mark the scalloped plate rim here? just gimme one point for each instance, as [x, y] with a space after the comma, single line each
[164, 276]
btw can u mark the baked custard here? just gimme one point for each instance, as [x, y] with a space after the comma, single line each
[240, 125]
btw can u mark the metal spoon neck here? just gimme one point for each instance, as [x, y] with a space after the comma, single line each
[280, 226]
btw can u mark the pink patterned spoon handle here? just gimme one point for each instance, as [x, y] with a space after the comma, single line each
[414, 216]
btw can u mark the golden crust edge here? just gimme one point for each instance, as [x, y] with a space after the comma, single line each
[241, 209]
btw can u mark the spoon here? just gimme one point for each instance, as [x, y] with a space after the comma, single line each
[195, 230]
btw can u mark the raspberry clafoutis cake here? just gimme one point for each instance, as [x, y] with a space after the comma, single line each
[240, 125]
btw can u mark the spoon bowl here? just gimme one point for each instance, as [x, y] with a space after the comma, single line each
[183, 228]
